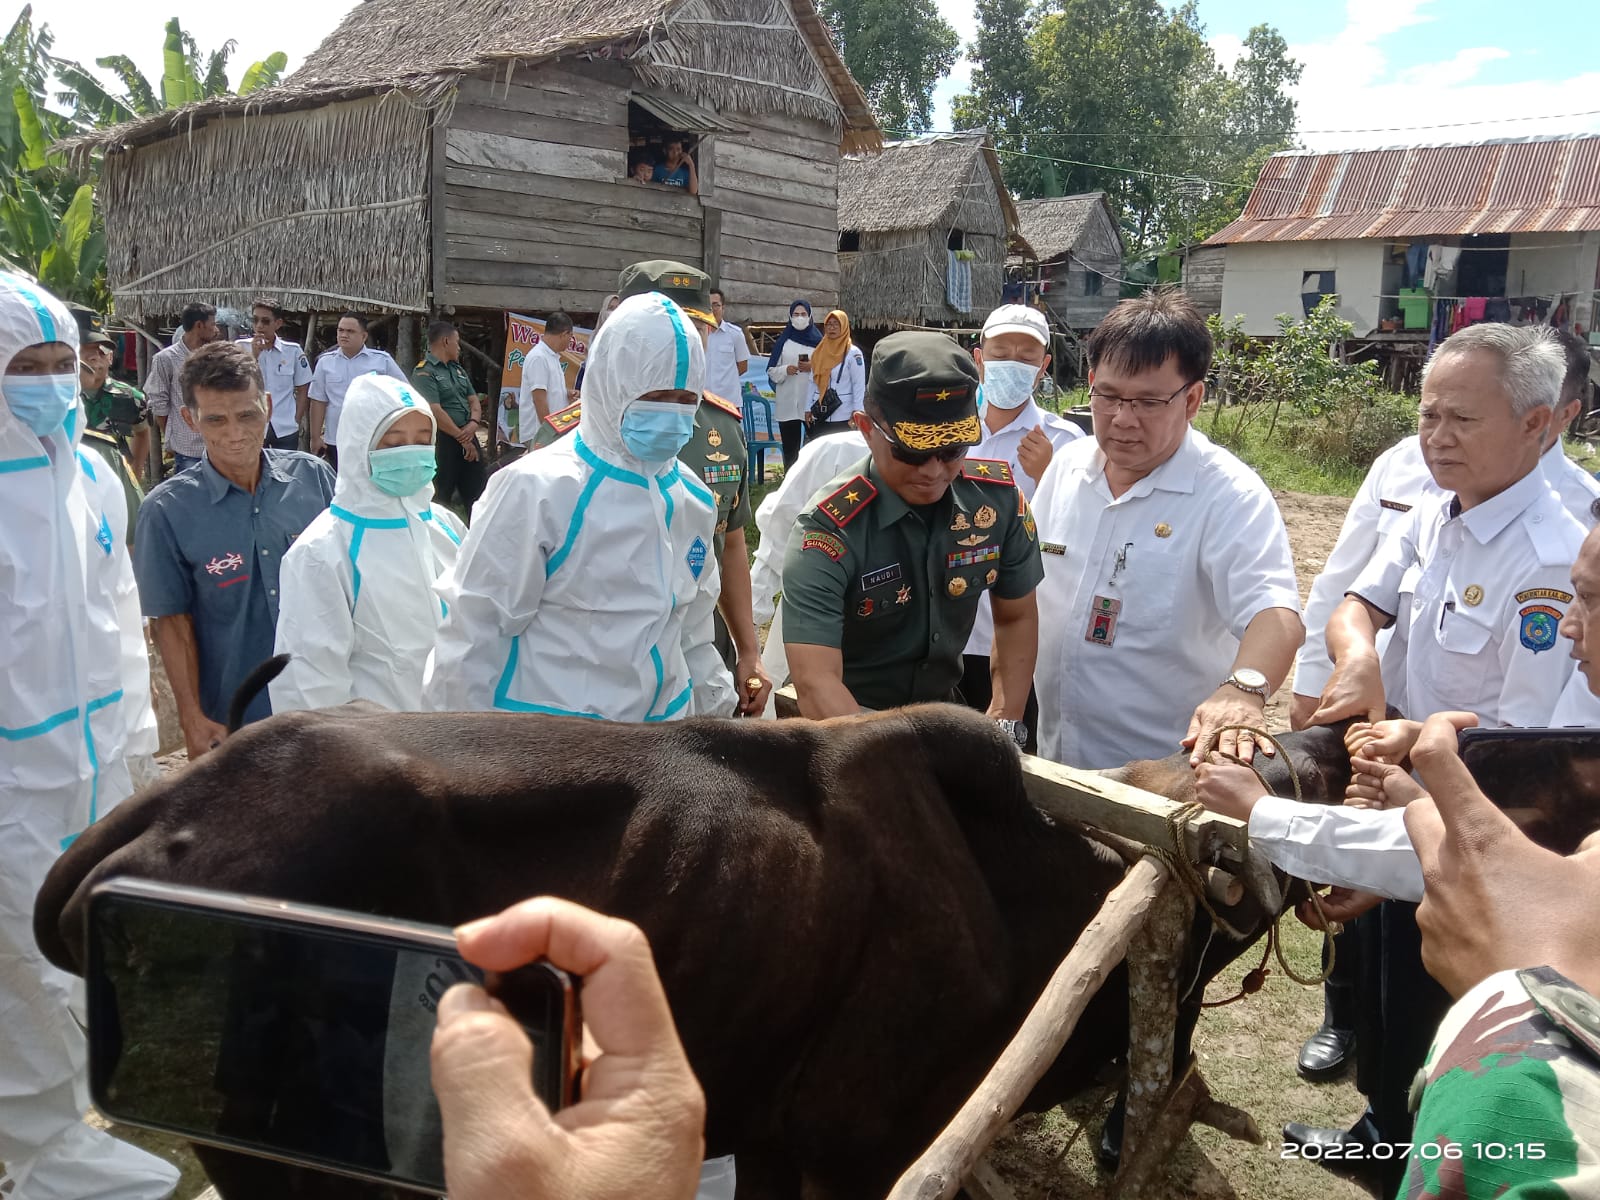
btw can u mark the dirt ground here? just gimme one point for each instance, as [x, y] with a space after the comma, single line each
[1246, 1050]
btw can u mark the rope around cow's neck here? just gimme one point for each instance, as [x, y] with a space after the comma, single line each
[1191, 877]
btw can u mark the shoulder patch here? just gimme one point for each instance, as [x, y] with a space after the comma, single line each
[96, 435]
[567, 419]
[820, 539]
[988, 470]
[726, 406]
[843, 506]
[1544, 593]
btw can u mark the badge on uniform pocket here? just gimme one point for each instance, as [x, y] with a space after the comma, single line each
[1103, 616]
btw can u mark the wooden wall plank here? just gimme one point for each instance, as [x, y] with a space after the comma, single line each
[607, 260]
[784, 123]
[824, 197]
[608, 82]
[769, 303]
[465, 147]
[774, 165]
[615, 191]
[779, 254]
[737, 224]
[604, 136]
[541, 275]
[811, 149]
[571, 105]
[532, 300]
[639, 238]
[748, 270]
[767, 208]
[487, 203]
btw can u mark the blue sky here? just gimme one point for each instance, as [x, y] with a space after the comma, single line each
[1370, 64]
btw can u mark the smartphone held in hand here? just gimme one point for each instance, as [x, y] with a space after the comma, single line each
[294, 1032]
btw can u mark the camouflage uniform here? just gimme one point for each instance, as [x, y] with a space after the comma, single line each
[1510, 1095]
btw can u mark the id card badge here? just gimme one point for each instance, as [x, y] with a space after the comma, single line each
[1103, 615]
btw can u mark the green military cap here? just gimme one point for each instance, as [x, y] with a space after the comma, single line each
[927, 387]
[91, 328]
[689, 287]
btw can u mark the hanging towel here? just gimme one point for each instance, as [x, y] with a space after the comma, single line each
[958, 288]
[1473, 308]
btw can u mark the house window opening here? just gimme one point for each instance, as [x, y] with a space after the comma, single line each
[660, 156]
[956, 240]
[849, 241]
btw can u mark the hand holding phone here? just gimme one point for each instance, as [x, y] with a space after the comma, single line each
[642, 1107]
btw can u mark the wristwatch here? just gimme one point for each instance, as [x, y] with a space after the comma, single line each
[1249, 680]
[1016, 729]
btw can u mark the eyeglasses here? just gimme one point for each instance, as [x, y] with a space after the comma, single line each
[1141, 405]
[919, 458]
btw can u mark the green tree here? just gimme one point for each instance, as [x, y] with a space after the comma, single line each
[897, 50]
[1005, 89]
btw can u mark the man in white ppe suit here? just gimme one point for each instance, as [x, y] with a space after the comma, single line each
[64, 724]
[358, 613]
[586, 584]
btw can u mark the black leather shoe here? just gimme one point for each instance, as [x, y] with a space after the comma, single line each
[1325, 1054]
[1357, 1143]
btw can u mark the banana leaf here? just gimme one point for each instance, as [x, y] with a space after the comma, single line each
[33, 143]
[141, 97]
[264, 74]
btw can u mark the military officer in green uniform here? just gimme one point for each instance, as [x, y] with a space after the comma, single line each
[882, 577]
[443, 382]
[110, 406]
[717, 456]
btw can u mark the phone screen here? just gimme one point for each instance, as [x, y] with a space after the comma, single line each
[1542, 778]
[283, 1038]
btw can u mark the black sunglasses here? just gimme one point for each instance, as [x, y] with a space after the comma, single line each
[918, 458]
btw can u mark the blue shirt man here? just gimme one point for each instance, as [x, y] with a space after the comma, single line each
[211, 540]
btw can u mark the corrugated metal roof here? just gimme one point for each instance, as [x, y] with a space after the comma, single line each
[1526, 186]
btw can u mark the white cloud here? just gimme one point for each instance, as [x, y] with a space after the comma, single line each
[1349, 85]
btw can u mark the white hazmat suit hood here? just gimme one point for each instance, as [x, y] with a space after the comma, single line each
[358, 613]
[68, 677]
[587, 583]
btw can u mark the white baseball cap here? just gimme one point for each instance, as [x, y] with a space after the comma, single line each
[1018, 318]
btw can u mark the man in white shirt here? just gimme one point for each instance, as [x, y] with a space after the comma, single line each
[333, 374]
[544, 382]
[727, 356]
[1397, 482]
[1169, 608]
[287, 373]
[1013, 354]
[1476, 584]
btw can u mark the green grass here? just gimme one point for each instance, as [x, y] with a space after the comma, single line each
[1278, 460]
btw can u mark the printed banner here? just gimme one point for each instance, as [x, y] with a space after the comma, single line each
[522, 335]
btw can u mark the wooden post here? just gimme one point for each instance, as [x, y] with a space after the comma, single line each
[1187, 1103]
[311, 336]
[1102, 945]
[1154, 959]
[406, 340]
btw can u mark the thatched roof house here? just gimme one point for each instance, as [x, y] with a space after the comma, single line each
[1079, 254]
[476, 156]
[923, 232]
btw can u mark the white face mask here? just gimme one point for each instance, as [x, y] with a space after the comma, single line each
[800, 321]
[1008, 385]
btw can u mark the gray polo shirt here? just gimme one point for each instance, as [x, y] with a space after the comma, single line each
[208, 548]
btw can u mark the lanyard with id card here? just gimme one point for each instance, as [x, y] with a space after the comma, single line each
[1106, 609]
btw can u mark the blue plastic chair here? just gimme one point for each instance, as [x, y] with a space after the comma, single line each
[760, 430]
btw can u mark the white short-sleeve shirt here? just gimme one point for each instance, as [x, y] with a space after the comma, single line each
[1002, 444]
[541, 369]
[336, 370]
[725, 350]
[1189, 555]
[1486, 590]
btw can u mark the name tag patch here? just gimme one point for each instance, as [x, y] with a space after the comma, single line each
[966, 558]
[1394, 506]
[696, 558]
[881, 576]
[1052, 548]
[1103, 615]
[1555, 594]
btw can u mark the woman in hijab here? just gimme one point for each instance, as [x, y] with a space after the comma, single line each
[837, 364]
[358, 612]
[789, 368]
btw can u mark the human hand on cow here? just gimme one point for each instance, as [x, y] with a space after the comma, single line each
[1339, 906]
[1355, 689]
[201, 734]
[1492, 900]
[637, 1131]
[1034, 453]
[1300, 710]
[750, 669]
[1378, 784]
[1226, 706]
[1385, 741]
[1227, 788]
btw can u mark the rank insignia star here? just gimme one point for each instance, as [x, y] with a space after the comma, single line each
[852, 496]
[982, 468]
[903, 596]
[944, 394]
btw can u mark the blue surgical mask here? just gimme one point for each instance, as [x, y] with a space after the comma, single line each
[41, 402]
[1008, 385]
[403, 470]
[655, 430]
